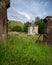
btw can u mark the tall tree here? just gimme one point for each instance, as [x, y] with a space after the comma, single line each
[40, 23]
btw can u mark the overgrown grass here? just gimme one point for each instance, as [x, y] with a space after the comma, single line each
[22, 50]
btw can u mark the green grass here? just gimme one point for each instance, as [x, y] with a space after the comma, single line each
[22, 50]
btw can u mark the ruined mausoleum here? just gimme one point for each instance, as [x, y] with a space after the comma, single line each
[33, 30]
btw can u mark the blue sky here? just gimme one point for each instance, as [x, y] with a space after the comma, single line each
[27, 10]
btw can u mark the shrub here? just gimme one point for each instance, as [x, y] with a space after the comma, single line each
[40, 23]
[26, 25]
[16, 28]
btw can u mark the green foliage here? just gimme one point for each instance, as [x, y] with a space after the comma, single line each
[15, 26]
[40, 24]
[22, 50]
[26, 25]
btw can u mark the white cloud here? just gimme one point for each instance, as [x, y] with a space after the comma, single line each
[24, 14]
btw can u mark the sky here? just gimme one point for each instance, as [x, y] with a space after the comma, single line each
[27, 10]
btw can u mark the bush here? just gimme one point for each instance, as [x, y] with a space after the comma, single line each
[26, 25]
[16, 28]
[40, 24]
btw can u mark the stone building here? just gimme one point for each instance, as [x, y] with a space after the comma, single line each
[32, 30]
[4, 5]
[48, 30]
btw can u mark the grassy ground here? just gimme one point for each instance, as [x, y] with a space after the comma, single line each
[22, 50]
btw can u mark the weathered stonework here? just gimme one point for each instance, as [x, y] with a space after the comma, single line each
[48, 30]
[4, 5]
[33, 30]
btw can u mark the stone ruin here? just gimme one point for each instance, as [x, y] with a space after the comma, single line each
[33, 30]
[48, 30]
[4, 5]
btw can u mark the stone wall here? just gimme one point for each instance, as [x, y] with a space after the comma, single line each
[48, 30]
[32, 30]
[3, 18]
